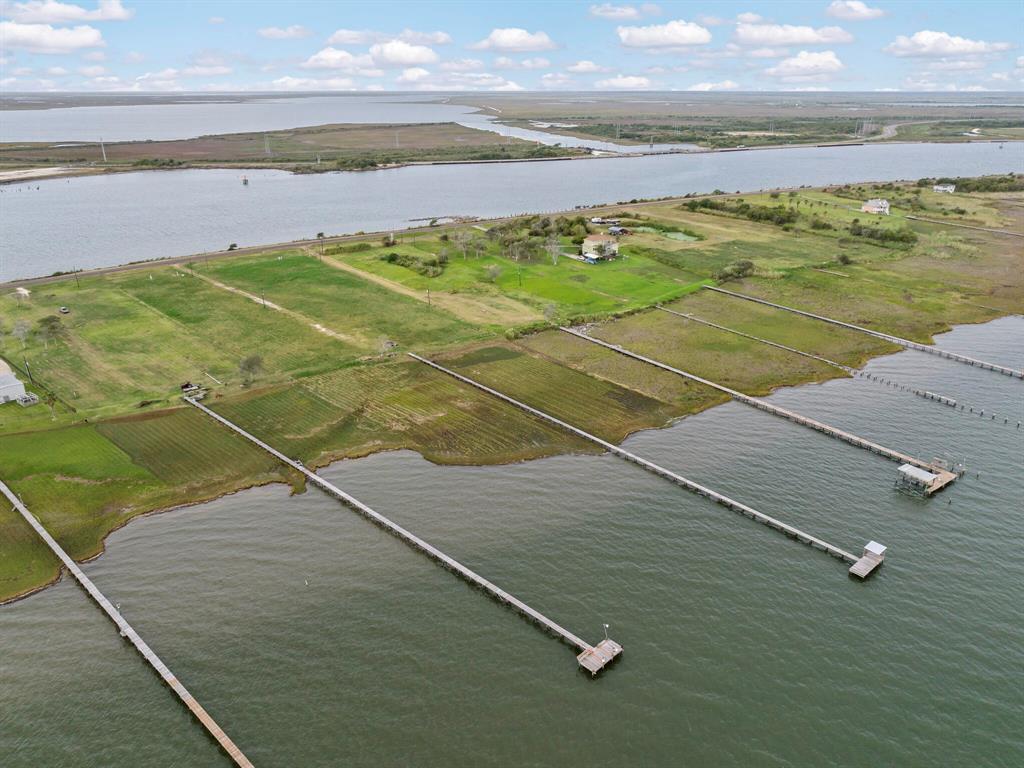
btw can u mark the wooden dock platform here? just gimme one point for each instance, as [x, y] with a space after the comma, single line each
[879, 335]
[597, 658]
[130, 634]
[596, 661]
[874, 554]
[945, 475]
[653, 468]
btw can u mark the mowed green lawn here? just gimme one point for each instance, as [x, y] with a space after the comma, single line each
[342, 301]
[575, 288]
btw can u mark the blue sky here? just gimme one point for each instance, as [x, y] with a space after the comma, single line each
[843, 45]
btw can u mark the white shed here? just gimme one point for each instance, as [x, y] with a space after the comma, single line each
[10, 388]
[917, 476]
[876, 205]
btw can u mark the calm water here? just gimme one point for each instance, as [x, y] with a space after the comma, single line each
[97, 221]
[743, 648]
[161, 122]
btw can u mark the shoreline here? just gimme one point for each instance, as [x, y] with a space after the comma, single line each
[330, 460]
[455, 222]
[40, 173]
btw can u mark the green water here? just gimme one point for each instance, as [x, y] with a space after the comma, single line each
[742, 647]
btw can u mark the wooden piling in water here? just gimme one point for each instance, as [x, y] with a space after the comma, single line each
[945, 476]
[650, 466]
[130, 634]
[879, 335]
[590, 657]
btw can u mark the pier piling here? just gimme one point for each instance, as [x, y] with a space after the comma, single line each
[653, 468]
[593, 658]
[126, 631]
[945, 477]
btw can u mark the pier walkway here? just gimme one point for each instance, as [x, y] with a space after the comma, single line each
[879, 335]
[945, 477]
[650, 466]
[126, 631]
[923, 393]
[593, 658]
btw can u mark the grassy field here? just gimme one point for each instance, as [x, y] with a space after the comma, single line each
[310, 149]
[117, 444]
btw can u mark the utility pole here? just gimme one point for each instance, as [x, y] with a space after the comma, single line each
[266, 145]
[103, 149]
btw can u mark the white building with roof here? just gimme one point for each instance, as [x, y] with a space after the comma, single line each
[876, 205]
[949, 189]
[10, 388]
[596, 247]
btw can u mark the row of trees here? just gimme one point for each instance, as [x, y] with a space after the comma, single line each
[48, 329]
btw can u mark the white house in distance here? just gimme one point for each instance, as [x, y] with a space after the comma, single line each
[876, 205]
[597, 247]
[10, 388]
[949, 189]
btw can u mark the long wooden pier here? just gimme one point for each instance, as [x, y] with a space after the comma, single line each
[879, 335]
[650, 466]
[945, 477]
[593, 658]
[922, 393]
[128, 632]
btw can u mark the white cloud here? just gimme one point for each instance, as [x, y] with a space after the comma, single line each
[134, 57]
[617, 12]
[768, 53]
[674, 34]
[43, 38]
[956, 65]
[289, 83]
[424, 38]
[56, 71]
[710, 21]
[22, 71]
[336, 58]
[514, 40]
[216, 20]
[398, 53]
[749, 18]
[806, 66]
[462, 65]
[853, 10]
[206, 71]
[555, 80]
[467, 81]
[626, 82]
[724, 85]
[366, 37]
[164, 80]
[787, 34]
[587, 67]
[95, 56]
[52, 12]
[537, 62]
[412, 75]
[284, 33]
[929, 43]
[92, 71]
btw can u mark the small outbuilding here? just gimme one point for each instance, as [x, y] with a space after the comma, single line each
[949, 189]
[11, 388]
[598, 247]
[916, 478]
[876, 205]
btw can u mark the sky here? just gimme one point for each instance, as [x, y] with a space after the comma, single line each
[840, 45]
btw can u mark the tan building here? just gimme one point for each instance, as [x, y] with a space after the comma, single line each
[597, 247]
[876, 205]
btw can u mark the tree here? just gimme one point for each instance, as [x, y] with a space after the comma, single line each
[553, 247]
[21, 331]
[250, 367]
[493, 272]
[51, 401]
[462, 240]
[50, 328]
[479, 245]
